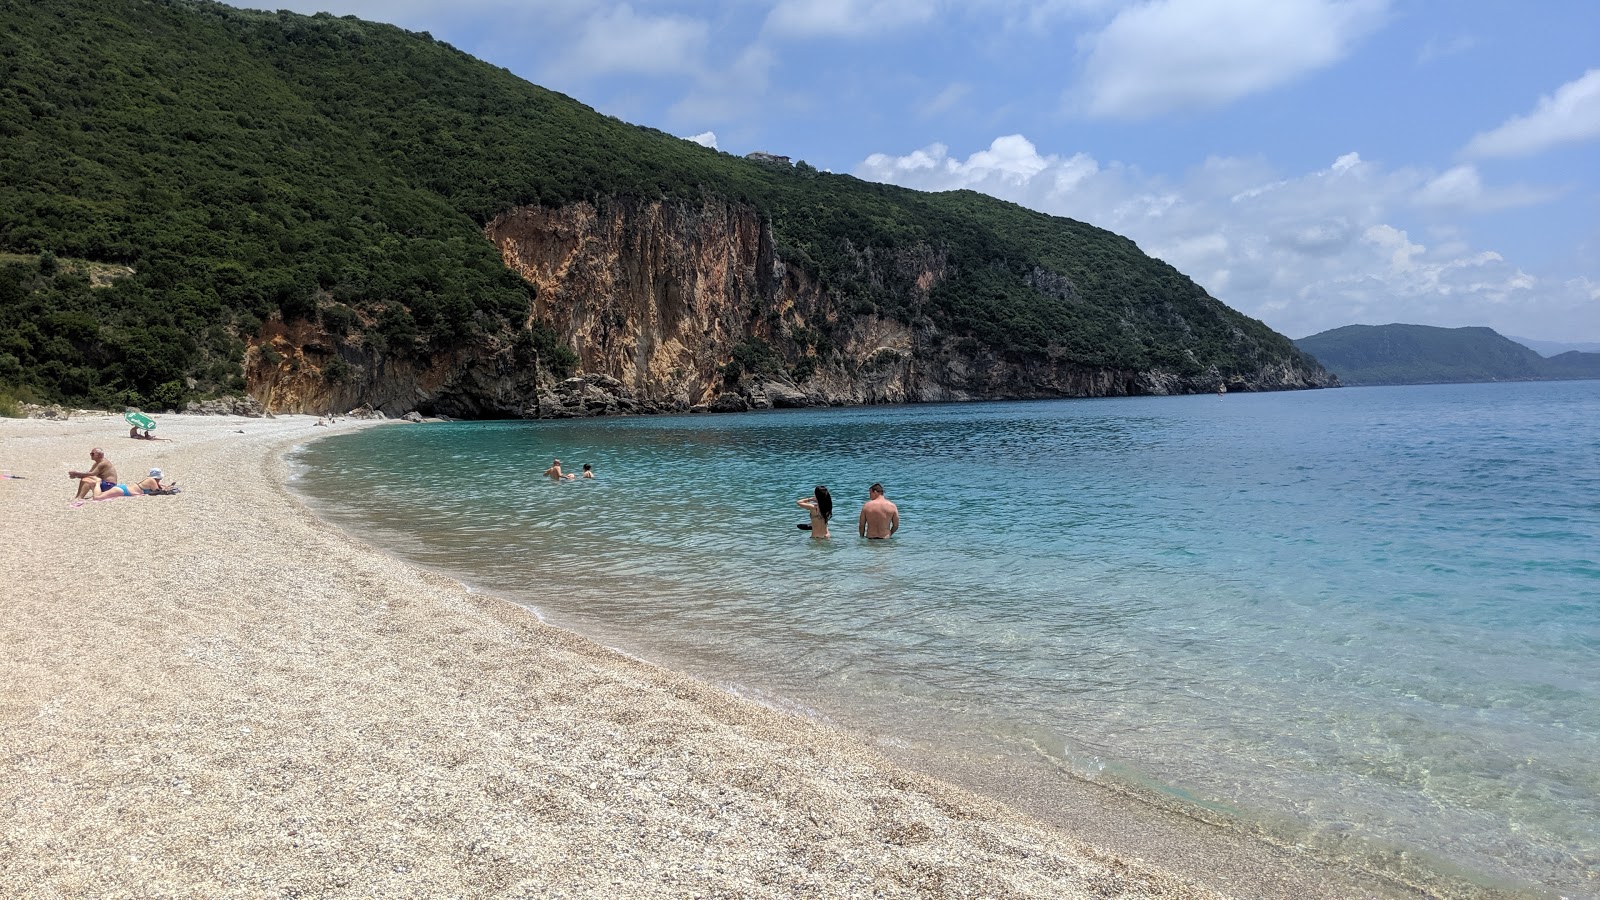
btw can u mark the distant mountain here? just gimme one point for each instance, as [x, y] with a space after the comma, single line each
[1555, 348]
[1422, 354]
[1574, 364]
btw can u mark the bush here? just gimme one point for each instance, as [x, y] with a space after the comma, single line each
[538, 346]
[338, 319]
[169, 395]
[336, 370]
[10, 406]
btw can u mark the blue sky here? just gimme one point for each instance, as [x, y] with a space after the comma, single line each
[1313, 163]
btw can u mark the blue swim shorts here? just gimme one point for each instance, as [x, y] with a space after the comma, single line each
[107, 485]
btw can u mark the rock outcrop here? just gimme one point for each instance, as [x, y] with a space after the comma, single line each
[226, 406]
[676, 307]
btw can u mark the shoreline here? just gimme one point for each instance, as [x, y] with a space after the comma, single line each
[225, 694]
[1223, 849]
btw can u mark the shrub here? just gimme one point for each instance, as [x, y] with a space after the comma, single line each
[169, 395]
[338, 319]
[10, 406]
[336, 370]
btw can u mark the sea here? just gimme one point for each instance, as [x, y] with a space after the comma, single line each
[1365, 621]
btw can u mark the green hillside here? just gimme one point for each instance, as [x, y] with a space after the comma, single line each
[1422, 354]
[244, 165]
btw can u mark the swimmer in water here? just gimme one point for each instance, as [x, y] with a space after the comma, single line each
[820, 506]
[879, 517]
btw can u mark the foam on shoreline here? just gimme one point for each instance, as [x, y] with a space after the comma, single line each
[218, 694]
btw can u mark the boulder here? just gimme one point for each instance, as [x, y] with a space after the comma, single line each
[605, 382]
[225, 406]
[35, 411]
[365, 412]
[780, 395]
[730, 402]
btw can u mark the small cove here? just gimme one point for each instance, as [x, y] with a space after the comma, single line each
[1357, 618]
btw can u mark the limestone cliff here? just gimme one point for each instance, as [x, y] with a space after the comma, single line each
[673, 306]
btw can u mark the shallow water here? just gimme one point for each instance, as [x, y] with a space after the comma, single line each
[1362, 617]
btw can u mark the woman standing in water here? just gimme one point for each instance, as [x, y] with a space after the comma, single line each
[820, 506]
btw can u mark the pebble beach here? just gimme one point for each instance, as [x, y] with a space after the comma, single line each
[216, 694]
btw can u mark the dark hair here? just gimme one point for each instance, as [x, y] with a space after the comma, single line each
[875, 489]
[824, 502]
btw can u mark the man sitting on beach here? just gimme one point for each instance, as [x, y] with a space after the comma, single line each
[879, 518]
[102, 476]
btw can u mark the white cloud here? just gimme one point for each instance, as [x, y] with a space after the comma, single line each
[621, 40]
[1305, 252]
[1168, 55]
[1461, 188]
[946, 100]
[729, 94]
[1572, 114]
[846, 18]
[704, 139]
[1435, 48]
[1010, 163]
[1396, 243]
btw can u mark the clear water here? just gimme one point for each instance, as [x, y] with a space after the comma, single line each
[1363, 616]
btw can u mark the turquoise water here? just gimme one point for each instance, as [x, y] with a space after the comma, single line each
[1367, 618]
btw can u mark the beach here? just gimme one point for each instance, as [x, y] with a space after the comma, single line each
[217, 694]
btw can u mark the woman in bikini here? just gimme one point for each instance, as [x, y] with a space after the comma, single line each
[820, 506]
[155, 484]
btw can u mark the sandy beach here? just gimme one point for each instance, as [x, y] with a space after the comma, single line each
[215, 694]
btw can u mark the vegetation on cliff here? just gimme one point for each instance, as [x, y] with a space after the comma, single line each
[246, 165]
[1424, 354]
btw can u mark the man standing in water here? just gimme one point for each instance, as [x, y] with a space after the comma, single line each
[879, 517]
[554, 472]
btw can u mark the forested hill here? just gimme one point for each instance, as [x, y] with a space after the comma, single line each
[1423, 354]
[181, 181]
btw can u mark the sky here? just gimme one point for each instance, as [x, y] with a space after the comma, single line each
[1311, 163]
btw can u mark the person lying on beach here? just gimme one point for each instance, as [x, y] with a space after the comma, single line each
[820, 506]
[154, 484]
[879, 518]
[135, 433]
[102, 476]
[554, 472]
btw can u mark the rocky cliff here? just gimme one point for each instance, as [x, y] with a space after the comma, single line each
[673, 306]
